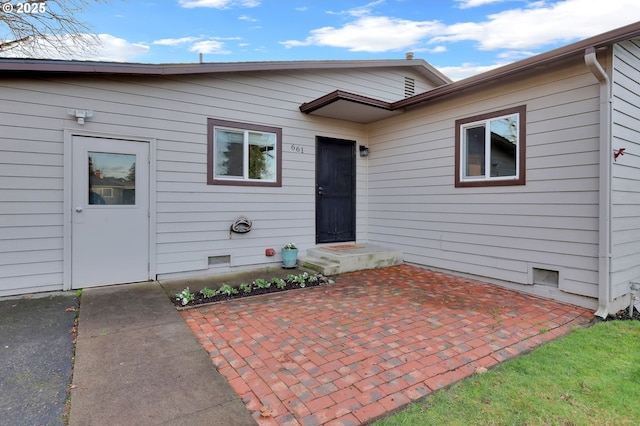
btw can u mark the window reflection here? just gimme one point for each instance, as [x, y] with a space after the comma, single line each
[475, 145]
[229, 153]
[502, 149]
[112, 178]
[262, 148]
[503, 146]
[245, 154]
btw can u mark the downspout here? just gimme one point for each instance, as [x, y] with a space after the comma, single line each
[604, 223]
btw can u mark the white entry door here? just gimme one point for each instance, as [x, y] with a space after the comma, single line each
[110, 216]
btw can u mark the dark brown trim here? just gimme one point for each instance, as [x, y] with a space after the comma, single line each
[497, 75]
[522, 146]
[211, 180]
[338, 95]
[13, 65]
[544, 59]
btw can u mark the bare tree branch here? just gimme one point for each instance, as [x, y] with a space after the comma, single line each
[32, 26]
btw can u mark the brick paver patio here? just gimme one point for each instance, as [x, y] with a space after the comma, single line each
[374, 341]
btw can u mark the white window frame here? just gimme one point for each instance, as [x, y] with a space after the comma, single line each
[245, 154]
[245, 129]
[487, 149]
[485, 121]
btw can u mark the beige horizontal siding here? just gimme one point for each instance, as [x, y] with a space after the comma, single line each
[193, 218]
[495, 232]
[625, 197]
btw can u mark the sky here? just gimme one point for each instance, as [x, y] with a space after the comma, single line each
[459, 37]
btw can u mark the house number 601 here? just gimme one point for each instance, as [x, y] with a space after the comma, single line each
[297, 148]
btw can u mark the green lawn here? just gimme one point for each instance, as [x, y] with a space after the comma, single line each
[590, 377]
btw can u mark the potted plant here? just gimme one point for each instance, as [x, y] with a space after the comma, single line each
[289, 256]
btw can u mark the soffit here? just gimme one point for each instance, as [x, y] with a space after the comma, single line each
[344, 109]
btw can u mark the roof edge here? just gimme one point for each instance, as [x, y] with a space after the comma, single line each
[337, 95]
[97, 67]
[599, 41]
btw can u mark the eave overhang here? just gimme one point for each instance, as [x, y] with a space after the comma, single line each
[27, 65]
[349, 106]
[352, 107]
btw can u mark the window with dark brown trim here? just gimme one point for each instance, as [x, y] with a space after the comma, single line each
[491, 149]
[243, 154]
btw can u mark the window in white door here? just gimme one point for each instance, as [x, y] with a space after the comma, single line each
[112, 178]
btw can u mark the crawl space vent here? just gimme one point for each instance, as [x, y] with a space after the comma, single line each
[219, 260]
[546, 277]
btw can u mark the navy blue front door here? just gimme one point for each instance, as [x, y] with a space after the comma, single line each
[335, 190]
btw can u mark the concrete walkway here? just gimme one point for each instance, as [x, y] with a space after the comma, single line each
[137, 363]
[348, 353]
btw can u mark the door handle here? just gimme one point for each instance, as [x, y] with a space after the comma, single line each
[79, 209]
[320, 190]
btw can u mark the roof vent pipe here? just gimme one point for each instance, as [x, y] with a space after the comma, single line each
[409, 55]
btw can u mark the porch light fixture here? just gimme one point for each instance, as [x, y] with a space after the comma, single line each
[364, 151]
[80, 114]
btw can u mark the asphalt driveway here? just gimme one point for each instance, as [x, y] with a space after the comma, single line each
[36, 349]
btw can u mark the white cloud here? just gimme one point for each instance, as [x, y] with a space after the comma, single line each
[100, 47]
[465, 70]
[466, 4]
[544, 23]
[358, 11]
[118, 49]
[437, 49]
[247, 18]
[514, 55]
[175, 41]
[209, 46]
[371, 34]
[218, 4]
[200, 44]
[513, 34]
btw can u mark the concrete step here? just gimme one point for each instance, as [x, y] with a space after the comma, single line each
[349, 258]
[324, 266]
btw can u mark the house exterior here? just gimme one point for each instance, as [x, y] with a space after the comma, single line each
[114, 173]
[75, 137]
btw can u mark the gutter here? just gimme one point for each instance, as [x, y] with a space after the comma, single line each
[604, 222]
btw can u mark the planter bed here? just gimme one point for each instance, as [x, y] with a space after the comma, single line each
[187, 299]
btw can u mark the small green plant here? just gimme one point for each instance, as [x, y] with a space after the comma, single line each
[185, 296]
[279, 283]
[260, 283]
[227, 290]
[301, 279]
[207, 292]
[289, 246]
